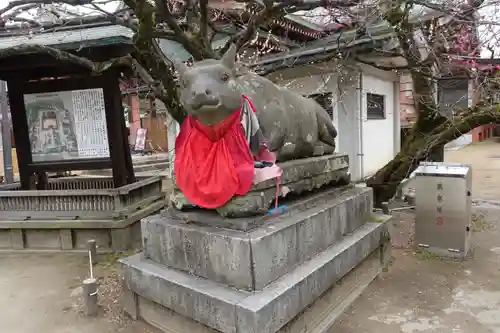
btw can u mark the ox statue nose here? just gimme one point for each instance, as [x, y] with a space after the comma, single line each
[207, 93]
[203, 97]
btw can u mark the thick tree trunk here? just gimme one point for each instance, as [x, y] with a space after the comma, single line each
[386, 181]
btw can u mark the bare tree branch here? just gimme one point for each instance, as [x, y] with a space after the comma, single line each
[18, 3]
[56, 53]
[199, 52]
[155, 85]
[204, 17]
[17, 11]
[114, 18]
[255, 21]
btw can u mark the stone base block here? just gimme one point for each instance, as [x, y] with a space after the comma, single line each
[317, 318]
[62, 235]
[253, 259]
[298, 176]
[40, 240]
[294, 205]
[229, 310]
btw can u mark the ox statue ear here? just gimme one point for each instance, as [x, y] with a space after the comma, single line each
[229, 58]
[179, 66]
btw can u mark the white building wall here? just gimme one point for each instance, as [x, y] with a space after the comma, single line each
[349, 124]
[370, 144]
[378, 134]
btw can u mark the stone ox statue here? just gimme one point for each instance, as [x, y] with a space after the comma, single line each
[294, 126]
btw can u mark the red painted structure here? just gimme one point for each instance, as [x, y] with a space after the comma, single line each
[482, 132]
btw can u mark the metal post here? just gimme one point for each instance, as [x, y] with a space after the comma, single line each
[5, 128]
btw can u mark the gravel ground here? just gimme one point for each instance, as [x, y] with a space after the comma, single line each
[47, 288]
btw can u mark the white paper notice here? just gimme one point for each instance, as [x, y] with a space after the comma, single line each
[89, 115]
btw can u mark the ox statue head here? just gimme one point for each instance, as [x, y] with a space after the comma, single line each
[208, 89]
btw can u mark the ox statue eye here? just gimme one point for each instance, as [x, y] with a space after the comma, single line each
[224, 77]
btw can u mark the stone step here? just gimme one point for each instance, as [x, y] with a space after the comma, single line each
[253, 259]
[319, 317]
[230, 310]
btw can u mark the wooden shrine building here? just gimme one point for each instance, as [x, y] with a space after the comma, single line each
[67, 115]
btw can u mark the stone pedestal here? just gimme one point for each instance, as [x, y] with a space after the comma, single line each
[294, 272]
[298, 176]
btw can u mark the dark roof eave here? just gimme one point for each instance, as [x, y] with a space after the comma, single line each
[485, 61]
[269, 67]
[89, 36]
[327, 48]
[118, 40]
[71, 25]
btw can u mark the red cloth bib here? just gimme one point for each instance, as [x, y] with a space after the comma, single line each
[213, 163]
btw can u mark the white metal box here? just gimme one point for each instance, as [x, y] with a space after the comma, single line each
[443, 208]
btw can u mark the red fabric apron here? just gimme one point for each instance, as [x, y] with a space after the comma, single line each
[213, 163]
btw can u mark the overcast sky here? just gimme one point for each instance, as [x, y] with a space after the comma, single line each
[489, 30]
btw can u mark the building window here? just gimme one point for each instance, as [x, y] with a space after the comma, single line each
[453, 95]
[375, 106]
[325, 100]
